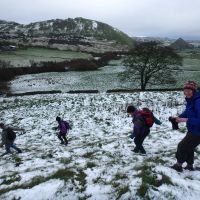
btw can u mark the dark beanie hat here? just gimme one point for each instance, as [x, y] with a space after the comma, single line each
[131, 109]
[58, 119]
[1, 124]
[190, 85]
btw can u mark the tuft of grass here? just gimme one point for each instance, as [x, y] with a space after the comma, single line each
[11, 179]
[156, 160]
[90, 165]
[183, 130]
[99, 180]
[115, 184]
[63, 174]
[150, 180]
[18, 161]
[88, 155]
[120, 176]
[122, 190]
[81, 178]
[66, 160]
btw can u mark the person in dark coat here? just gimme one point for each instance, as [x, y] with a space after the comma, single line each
[191, 115]
[140, 130]
[63, 128]
[7, 140]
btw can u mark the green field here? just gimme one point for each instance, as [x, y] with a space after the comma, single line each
[24, 57]
[191, 60]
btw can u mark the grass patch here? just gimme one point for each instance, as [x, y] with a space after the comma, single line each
[122, 190]
[156, 160]
[150, 180]
[66, 160]
[7, 180]
[88, 155]
[90, 165]
[120, 176]
[63, 174]
[81, 178]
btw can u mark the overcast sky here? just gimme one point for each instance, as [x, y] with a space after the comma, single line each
[165, 18]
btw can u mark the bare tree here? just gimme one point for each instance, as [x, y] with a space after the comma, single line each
[151, 64]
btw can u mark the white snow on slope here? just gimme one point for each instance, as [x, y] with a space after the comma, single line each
[98, 162]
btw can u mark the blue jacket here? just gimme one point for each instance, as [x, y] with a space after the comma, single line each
[192, 112]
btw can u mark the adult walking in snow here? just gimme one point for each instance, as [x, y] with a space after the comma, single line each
[143, 120]
[191, 115]
[63, 127]
[8, 138]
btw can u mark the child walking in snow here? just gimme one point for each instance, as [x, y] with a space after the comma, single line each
[8, 138]
[63, 128]
[142, 120]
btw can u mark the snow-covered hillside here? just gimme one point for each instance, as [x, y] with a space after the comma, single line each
[78, 34]
[98, 162]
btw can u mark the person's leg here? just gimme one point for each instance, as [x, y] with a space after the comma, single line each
[65, 139]
[193, 142]
[7, 146]
[185, 151]
[139, 141]
[182, 150]
[60, 138]
[16, 148]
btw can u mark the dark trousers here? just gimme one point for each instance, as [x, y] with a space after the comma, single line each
[185, 150]
[139, 139]
[62, 138]
[11, 145]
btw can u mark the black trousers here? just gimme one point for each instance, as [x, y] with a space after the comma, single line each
[62, 137]
[185, 150]
[139, 139]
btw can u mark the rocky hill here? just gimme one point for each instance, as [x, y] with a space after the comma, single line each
[181, 44]
[77, 34]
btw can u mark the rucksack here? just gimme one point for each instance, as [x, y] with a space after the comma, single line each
[147, 116]
[68, 127]
[11, 135]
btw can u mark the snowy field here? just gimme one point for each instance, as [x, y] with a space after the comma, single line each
[106, 78]
[24, 57]
[98, 163]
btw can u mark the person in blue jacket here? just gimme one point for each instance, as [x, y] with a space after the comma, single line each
[191, 115]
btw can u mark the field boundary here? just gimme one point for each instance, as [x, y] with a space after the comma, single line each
[89, 91]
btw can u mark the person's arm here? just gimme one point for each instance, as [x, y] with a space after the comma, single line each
[17, 129]
[156, 120]
[195, 120]
[183, 114]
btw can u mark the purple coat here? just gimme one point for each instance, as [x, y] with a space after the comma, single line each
[139, 126]
[62, 127]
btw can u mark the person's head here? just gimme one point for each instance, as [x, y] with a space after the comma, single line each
[189, 89]
[58, 119]
[2, 125]
[130, 109]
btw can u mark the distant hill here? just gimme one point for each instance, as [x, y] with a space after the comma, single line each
[69, 34]
[181, 44]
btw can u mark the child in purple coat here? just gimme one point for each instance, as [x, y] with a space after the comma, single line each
[63, 127]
